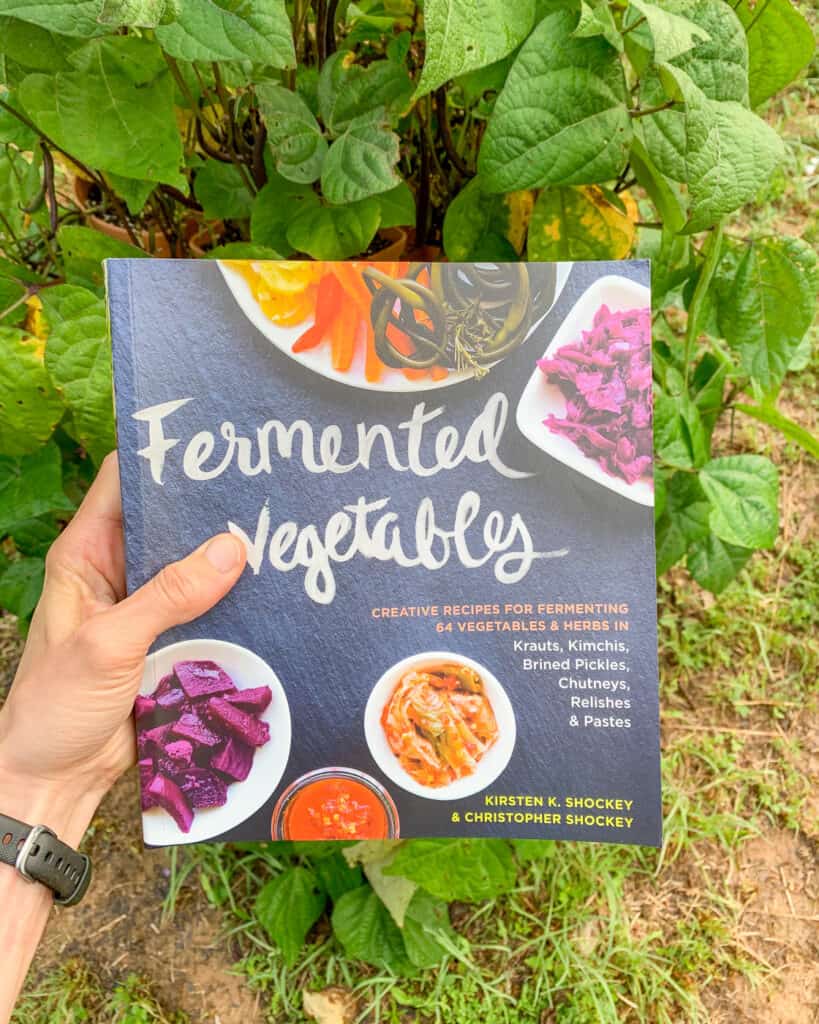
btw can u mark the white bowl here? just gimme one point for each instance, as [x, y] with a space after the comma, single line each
[319, 359]
[491, 764]
[540, 397]
[269, 762]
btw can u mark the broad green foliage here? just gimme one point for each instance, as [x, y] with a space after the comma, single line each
[541, 129]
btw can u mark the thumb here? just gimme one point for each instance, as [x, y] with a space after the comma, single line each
[181, 591]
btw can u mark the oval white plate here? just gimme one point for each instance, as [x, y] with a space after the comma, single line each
[540, 397]
[491, 764]
[319, 359]
[243, 798]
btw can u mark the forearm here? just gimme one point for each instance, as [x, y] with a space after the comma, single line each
[25, 906]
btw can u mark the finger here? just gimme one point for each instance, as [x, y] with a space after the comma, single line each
[102, 504]
[180, 592]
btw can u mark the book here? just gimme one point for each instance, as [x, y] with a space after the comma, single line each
[442, 474]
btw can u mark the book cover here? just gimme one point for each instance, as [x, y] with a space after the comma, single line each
[442, 474]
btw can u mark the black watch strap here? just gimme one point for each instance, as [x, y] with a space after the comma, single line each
[39, 856]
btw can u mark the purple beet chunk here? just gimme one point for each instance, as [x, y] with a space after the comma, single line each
[201, 678]
[144, 706]
[202, 788]
[176, 757]
[151, 741]
[171, 699]
[238, 723]
[165, 684]
[234, 760]
[146, 774]
[171, 799]
[254, 701]
[191, 727]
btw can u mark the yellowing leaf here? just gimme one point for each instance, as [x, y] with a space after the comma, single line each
[580, 224]
[35, 323]
[520, 205]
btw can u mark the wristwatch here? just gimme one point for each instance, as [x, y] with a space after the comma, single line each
[39, 856]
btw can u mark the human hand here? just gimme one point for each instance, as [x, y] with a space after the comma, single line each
[65, 731]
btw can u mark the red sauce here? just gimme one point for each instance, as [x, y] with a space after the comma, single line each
[336, 809]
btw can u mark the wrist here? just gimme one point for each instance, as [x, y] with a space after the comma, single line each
[64, 806]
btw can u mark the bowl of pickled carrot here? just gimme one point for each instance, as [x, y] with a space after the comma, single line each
[335, 803]
[440, 725]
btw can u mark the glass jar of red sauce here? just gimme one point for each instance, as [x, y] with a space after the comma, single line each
[335, 803]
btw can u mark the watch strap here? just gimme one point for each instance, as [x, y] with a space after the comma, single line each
[39, 856]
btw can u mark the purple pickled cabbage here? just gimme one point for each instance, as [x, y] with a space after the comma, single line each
[170, 798]
[234, 760]
[144, 707]
[202, 678]
[238, 723]
[254, 700]
[605, 377]
[202, 788]
[191, 727]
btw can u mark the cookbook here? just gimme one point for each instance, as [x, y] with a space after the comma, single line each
[442, 474]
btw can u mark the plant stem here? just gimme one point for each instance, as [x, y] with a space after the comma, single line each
[712, 251]
[330, 28]
[645, 111]
[445, 134]
[422, 212]
[92, 175]
[631, 28]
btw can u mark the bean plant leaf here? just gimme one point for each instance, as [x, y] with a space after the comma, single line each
[427, 930]
[31, 486]
[114, 110]
[462, 35]
[672, 34]
[208, 30]
[347, 90]
[714, 563]
[69, 17]
[780, 44]
[78, 360]
[792, 430]
[293, 134]
[222, 191]
[132, 190]
[336, 876]
[744, 494]
[361, 162]
[768, 305]
[596, 19]
[477, 224]
[287, 908]
[34, 46]
[21, 585]
[35, 536]
[30, 407]
[457, 869]
[669, 542]
[397, 206]
[139, 13]
[365, 929]
[334, 232]
[83, 251]
[561, 118]
[579, 224]
[275, 205]
[393, 891]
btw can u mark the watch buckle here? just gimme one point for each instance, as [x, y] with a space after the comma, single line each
[27, 847]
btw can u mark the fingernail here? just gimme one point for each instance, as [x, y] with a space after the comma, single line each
[224, 552]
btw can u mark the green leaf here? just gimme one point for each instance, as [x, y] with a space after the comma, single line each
[83, 251]
[274, 207]
[767, 304]
[393, 891]
[670, 544]
[428, 933]
[744, 494]
[476, 225]
[245, 251]
[34, 536]
[457, 869]
[363, 926]
[347, 90]
[69, 17]
[114, 110]
[139, 13]
[287, 907]
[30, 408]
[336, 876]
[35, 47]
[596, 19]
[780, 44]
[397, 206]
[561, 118]
[361, 162]
[672, 34]
[681, 439]
[222, 191]
[688, 506]
[208, 30]
[31, 486]
[714, 563]
[21, 585]
[793, 431]
[78, 360]
[293, 134]
[578, 224]
[719, 64]
[462, 35]
[132, 190]
[334, 232]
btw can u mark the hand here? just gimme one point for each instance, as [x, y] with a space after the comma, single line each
[66, 731]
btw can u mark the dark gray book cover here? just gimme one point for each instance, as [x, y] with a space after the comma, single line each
[443, 477]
